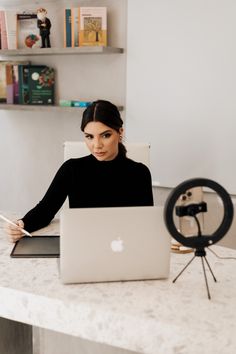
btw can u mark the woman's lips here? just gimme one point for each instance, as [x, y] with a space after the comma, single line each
[99, 153]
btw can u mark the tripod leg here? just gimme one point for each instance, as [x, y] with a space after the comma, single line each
[210, 269]
[183, 269]
[204, 271]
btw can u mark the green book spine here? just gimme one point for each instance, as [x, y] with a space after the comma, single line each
[67, 29]
[23, 75]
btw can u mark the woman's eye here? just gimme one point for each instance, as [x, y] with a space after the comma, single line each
[107, 135]
[89, 137]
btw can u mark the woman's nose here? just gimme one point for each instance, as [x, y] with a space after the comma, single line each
[98, 143]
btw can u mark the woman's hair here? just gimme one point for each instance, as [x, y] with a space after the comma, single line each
[106, 113]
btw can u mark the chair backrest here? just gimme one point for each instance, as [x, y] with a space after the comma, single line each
[139, 152]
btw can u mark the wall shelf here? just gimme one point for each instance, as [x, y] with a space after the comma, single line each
[54, 51]
[55, 108]
[61, 51]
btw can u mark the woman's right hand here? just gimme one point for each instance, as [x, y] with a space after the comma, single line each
[15, 232]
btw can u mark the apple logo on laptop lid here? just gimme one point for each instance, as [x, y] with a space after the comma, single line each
[117, 245]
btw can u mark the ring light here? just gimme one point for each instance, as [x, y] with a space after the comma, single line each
[199, 241]
[204, 240]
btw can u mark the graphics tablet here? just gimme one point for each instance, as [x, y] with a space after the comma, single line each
[36, 246]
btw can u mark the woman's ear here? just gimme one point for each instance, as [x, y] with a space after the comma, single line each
[121, 131]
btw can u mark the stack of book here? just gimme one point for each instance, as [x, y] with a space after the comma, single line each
[22, 83]
[85, 26]
[74, 103]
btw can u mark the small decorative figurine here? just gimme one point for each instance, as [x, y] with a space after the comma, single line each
[44, 25]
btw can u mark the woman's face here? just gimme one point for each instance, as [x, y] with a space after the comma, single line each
[102, 140]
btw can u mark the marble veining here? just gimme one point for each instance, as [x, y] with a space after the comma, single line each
[143, 316]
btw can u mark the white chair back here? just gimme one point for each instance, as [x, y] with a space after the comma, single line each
[139, 152]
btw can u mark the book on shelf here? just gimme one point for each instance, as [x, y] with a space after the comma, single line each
[9, 84]
[41, 85]
[15, 73]
[3, 30]
[10, 21]
[67, 28]
[36, 85]
[3, 85]
[27, 33]
[93, 26]
[23, 88]
[75, 27]
[8, 80]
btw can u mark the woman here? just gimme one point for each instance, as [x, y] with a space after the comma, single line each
[106, 178]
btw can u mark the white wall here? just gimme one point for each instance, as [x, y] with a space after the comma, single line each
[31, 143]
[181, 78]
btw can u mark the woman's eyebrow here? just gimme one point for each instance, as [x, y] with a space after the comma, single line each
[102, 133]
[106, 131]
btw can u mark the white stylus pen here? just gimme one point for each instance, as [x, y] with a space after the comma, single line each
[12, 223]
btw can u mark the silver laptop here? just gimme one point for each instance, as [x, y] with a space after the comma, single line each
[113, 244]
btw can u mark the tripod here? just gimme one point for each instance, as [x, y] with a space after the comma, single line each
[199, 252]
[198, 242]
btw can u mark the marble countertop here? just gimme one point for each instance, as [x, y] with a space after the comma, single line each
[143, 316]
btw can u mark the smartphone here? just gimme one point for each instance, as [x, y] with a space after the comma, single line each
[187, 225]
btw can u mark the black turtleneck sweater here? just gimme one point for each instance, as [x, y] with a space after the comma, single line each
[89, 183]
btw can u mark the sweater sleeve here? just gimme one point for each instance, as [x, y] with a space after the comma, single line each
[42, 214]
